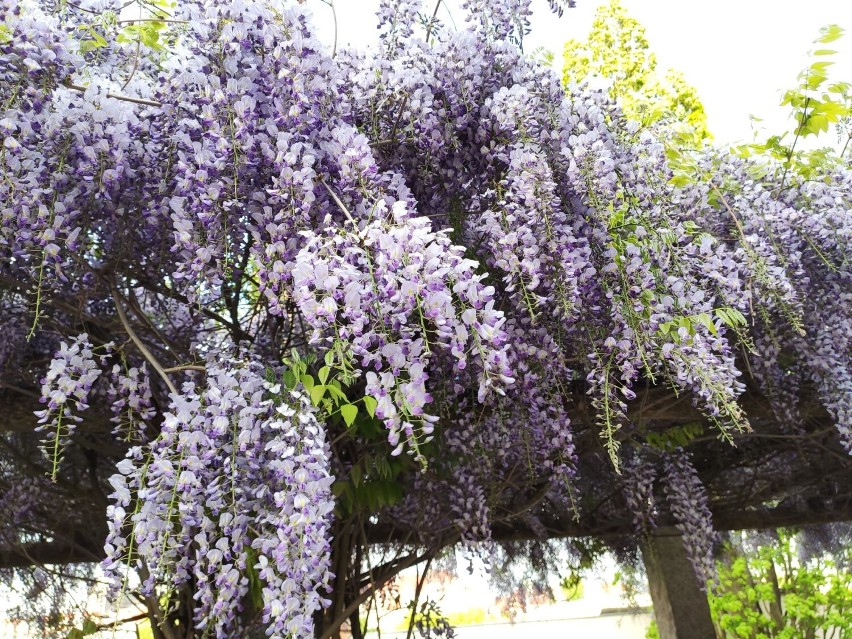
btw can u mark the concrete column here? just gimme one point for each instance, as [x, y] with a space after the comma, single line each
[680, 606]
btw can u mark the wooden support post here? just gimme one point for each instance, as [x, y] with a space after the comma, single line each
[680, 606]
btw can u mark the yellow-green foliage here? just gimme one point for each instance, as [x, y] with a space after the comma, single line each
[769, 593]
[618, 52]
[817, 103]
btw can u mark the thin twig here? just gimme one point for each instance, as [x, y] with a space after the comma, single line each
[167, 20]
[139, 343]
[432, 20]
[115, 96]
[730, 210]
[133, 305]
[185, 367]
[339, 203]
[155, 612]
[846, 146]
[135, 63]
[119, 622]
[334, 17]
[97, 13]
[417, 591]
[399, 116]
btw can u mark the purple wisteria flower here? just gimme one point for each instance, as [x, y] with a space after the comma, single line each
[131, 401]
[687, 499]
[395, 291]
[238, 479]
[65, 390]
[474, 244]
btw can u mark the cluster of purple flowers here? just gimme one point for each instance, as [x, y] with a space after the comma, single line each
[238, 474]
[394, 291]
[65, 390]
[396, 20]
[639, 478]
[687, 499]
[470, 240]
[130, 400]
[499, 20]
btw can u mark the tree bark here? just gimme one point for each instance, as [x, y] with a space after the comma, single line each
[680, 606]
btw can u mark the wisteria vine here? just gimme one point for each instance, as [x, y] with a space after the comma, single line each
[332, 257]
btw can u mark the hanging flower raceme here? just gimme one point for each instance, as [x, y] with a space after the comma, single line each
[639, 476]
[131, 401]
[392, 292]
[237, 484]
[396, 20]
[35, 57]
[688, 501]
[65, 389]
[499, 20]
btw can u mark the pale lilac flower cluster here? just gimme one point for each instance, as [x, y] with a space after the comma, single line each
[791, 249]
[687, 499]
[499, 20]
[35, 57]
[65, 389]
[394, 291]
[130, 399]
[396, 19]
[469, 505]
[531, 237]
[240, 470]
[246, 127]
[562, 167]
[18, 506]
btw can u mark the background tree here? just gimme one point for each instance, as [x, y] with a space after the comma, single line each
[770, 587]
[617, 55]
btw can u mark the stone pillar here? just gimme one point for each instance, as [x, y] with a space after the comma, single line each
[680, 606]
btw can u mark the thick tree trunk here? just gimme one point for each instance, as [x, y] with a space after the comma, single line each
[680, 606]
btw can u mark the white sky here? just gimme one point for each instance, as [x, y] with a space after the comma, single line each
[741, 55]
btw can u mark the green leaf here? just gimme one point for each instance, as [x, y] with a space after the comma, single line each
[255, 584]
[349, 413]
[323, 374]
[307, 381]
[99, 39]
[707, 321]
[317, 393]
[289, 379]
[737, 317]
[335, 392]
[149, 35]
[370, 404]
[830, 33]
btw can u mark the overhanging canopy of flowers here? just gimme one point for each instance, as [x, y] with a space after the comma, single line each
[244, 242]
